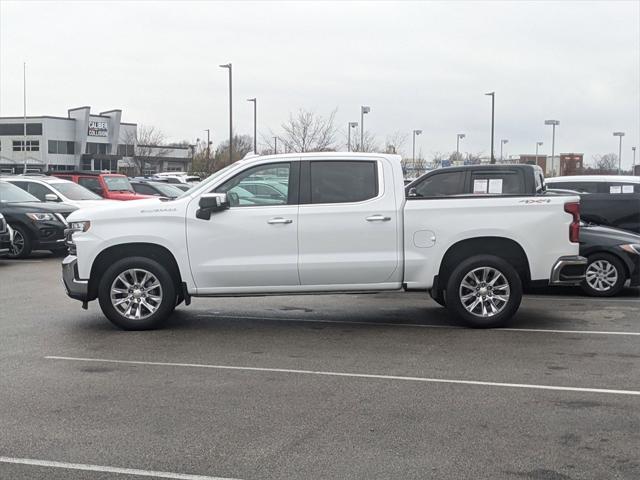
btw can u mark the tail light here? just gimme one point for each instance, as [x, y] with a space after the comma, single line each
[574, 229]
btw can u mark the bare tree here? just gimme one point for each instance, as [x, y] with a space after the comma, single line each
[437, 158]
[395, 143]
[368, 141]
[149, 147]
[474, 158]
[606, 162]
[456, 157]
[242, 144]
[307, 131]
[201, 162]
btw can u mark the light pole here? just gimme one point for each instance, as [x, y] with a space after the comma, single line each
[459, 137]
[619, 134]
[413, 156]
[538, 144]
[363, 110]
[502, 143]
[351, 125]
[553, 123]
[255, 122]
[228, 65]
[493, 109]
[275, 145]
[208, 145]
[633, 149]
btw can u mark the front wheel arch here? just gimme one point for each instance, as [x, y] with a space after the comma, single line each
[110, 255]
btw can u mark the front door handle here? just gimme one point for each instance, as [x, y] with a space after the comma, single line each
[277, 220]
[377, 218]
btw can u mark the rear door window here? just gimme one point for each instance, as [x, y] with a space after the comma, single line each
[443, 184]
[342, 181]
[620, 188]
[497, 183]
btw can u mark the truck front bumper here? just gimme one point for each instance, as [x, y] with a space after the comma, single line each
[568, 270]
[76, 288]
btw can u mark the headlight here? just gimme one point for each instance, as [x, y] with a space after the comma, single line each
[41, 217]
[74, 227]
[79, 226]
[633, 248]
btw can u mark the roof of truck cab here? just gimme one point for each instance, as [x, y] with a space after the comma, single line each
[327, 155]
[595, 178]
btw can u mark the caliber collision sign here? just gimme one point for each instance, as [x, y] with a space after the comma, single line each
[98, 129]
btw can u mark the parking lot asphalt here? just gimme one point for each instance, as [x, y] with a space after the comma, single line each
[381, 386]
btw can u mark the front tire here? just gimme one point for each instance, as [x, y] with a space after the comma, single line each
[484, 291]
[21, 246]
[605, 276]
[137, 293]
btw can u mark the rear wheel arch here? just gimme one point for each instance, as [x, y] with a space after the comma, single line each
[620, 258]
[110, 255]
[501, 247]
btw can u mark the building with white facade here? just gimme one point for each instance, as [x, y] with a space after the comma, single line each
[82, 141]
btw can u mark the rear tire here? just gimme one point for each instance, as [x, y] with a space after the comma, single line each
[21, 247]
[484, 291]
[137, 293]
[605, 276]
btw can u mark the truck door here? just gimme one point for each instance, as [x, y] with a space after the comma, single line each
[348, 223]
[253, 244]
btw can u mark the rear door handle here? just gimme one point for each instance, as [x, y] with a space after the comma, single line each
[377, 218]
[277, 220]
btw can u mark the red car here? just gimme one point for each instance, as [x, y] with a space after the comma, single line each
[112, 186]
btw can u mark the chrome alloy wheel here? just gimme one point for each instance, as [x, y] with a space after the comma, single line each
[601, 275]
[17, 246]
[136, 294]
[484, 292]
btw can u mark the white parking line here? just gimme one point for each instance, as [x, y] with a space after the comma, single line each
[585, 299]
[417, 325]
[104, 469]
[352, 375]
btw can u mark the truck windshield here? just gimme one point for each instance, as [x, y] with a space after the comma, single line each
[11, 194]
[118, 184]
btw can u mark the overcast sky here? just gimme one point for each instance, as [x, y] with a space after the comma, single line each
[418, 65]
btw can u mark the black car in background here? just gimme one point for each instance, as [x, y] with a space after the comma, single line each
[614, 258]
[158, 189]
[612, 200]
[36, 225]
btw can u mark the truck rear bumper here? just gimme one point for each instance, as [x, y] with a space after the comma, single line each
[76, 288]
[568, 270]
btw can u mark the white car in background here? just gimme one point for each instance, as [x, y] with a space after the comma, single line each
[178, 177]
[53, 189]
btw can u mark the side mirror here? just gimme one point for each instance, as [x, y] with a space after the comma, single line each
[413, 192]
[50, 197]
[210, 203]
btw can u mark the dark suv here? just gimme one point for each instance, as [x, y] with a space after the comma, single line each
[478, 180]
[36, 225]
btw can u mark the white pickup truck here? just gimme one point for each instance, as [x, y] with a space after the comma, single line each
[328, 223]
